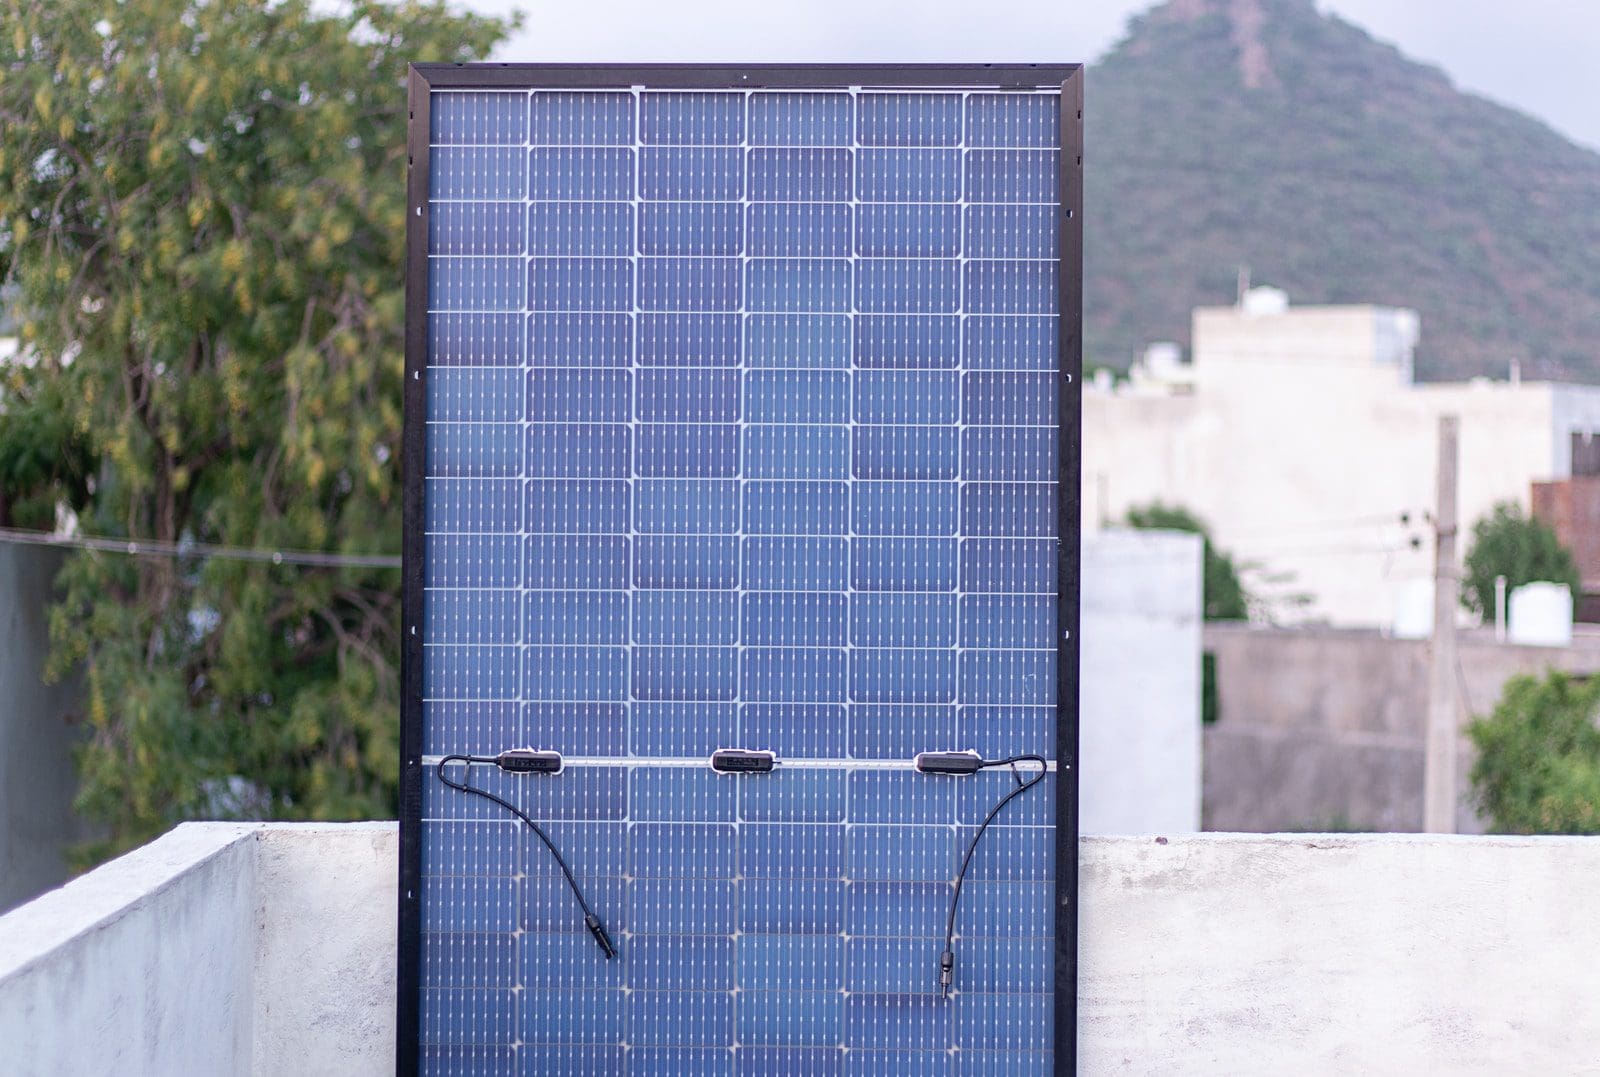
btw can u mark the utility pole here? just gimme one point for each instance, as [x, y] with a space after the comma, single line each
[1439, 758]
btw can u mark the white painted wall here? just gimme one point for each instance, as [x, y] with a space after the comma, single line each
[1208, 954]
[1301, 439]
[1139, 690]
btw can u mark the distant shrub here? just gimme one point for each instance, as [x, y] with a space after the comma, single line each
[1538, 766]
[1225, 598]
[1520, 548]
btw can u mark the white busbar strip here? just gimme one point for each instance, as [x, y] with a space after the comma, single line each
[633, 762]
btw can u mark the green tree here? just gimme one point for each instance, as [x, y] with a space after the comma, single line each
[202, 216]
[42, 461]
[1538, 766]
[1523, 550]
[1225, 598]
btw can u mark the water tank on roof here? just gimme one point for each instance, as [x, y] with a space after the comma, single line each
[1398, 330]
[1541, 615]
[1163, 356]
[1265, 300]
[1413, 610]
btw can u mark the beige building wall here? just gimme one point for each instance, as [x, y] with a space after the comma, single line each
[1300, 438]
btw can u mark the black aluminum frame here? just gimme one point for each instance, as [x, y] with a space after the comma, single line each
[426, 77]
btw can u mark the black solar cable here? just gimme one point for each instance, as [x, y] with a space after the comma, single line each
[518, 762]
[969, 763]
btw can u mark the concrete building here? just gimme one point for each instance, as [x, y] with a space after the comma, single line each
[246, 949]
[1571, 508]
[1301, 438]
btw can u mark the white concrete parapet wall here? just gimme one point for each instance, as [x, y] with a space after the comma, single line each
[225, 948]
[143, 966]
[324, 930]
[1302, 954]
[219, 948]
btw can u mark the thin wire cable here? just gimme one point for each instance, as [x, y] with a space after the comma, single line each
[588, 914]
[1242, 556]
[947, 959]
[1247, 554]
[1400, 518]
[158, 548]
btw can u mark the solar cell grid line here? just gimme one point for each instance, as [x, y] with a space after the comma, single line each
[731, 404]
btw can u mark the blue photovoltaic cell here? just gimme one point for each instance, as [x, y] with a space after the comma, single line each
[741, 431]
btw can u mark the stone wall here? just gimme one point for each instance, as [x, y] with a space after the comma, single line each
[1322, 729]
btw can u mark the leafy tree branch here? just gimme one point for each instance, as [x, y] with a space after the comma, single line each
[202, 214]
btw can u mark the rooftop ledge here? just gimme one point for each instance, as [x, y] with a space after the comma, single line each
[269, 948]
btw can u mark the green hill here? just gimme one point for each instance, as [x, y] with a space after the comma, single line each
[1258, 132]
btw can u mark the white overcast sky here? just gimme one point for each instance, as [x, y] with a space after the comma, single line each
[1541, 56]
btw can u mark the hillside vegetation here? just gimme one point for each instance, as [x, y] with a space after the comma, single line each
[1224, 133]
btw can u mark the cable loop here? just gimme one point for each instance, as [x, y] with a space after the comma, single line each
[596, 928]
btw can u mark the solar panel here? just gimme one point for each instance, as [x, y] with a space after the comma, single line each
[741, 434]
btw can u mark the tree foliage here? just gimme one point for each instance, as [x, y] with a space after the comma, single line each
[202, 221]
[1225, 598]
[1538, 766]
[1520, 548]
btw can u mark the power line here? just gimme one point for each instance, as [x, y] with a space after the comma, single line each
[157, 548]
[1403, 518]
[1290, 545]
